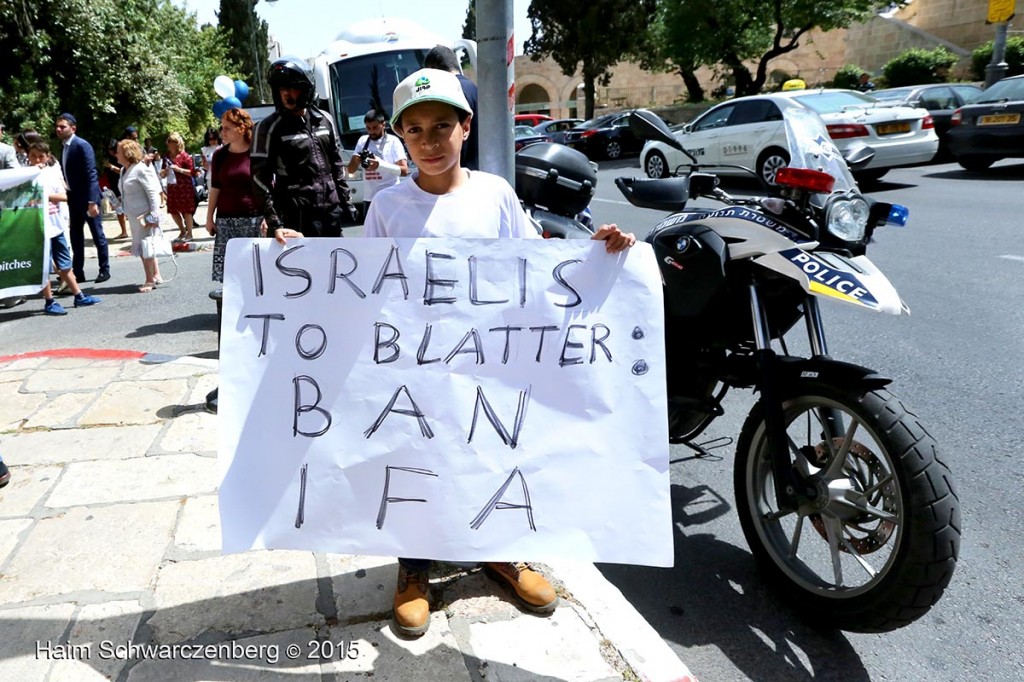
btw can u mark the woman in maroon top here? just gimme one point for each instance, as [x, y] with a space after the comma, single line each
[232, 209]
[181, 192]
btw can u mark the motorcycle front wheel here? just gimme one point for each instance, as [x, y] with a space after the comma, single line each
[875, 545]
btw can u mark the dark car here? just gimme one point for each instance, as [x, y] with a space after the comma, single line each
[525, 135]
[556, 129]
[606, 136]
[940, 99]
[989, 128]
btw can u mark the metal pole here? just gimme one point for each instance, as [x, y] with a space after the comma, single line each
[998, 67]
[496, 86]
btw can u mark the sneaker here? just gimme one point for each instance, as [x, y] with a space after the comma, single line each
[532, 589]
[411, 615]
[54, 308]
[85, 299]
[11, 302]
[103, 276]
[5, 475]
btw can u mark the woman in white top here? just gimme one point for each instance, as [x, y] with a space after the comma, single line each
[140, 197]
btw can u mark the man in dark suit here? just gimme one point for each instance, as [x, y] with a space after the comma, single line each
[79, 163]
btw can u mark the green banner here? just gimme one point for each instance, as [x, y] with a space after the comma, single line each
[24, 249]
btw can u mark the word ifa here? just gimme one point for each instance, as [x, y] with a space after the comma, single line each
[437, 289]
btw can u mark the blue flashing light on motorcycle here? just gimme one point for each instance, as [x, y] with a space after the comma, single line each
[898, 215]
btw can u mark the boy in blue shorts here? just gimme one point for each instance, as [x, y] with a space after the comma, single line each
[52, 182]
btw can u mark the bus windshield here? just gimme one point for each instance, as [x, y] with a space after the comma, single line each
[359, 84]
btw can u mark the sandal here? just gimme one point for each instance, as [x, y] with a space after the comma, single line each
[147, 287]
[158, 282]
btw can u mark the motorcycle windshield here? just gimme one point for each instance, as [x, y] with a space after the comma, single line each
[811, 147]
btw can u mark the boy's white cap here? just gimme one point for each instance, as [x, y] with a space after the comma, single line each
[428, 85]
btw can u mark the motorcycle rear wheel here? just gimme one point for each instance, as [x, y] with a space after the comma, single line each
[877, 547]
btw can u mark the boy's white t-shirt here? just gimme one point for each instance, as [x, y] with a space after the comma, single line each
[483, 207]
[51, 179]
[389, 148]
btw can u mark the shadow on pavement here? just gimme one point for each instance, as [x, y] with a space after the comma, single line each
[1013, 172]
[189, 323]
[714, 597]
[304, 639]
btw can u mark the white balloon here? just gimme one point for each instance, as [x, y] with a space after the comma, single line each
[224, 86]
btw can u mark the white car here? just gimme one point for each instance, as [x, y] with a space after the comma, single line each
[748, 132]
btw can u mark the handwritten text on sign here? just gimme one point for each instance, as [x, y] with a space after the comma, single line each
[451, 399]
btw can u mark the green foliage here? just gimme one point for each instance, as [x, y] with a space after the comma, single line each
[982, 56]
[111, 63]
[730, 33]
[591, 36]
[918, 66]
[847, 77]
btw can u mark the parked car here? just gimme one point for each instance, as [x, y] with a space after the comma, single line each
[748, 132]
[940, 99]
[530, 119]
[557, 128]
[525, 135]
[606, 136]
[899, 135]
[989, 128]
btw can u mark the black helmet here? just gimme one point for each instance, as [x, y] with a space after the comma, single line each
[291, 72]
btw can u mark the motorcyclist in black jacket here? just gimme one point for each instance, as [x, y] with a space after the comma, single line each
[295, 160]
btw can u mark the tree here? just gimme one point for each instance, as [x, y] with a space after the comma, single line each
[109, 62]
[469, 28]
[588, 37]
[730, 33]
[248, 43]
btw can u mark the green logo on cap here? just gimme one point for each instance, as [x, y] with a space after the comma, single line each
[422, 83]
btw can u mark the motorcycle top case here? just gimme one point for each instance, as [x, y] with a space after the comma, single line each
[555, 177]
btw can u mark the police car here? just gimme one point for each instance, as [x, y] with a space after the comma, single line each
[749, 132]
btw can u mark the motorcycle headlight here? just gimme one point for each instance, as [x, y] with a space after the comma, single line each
[847, 218]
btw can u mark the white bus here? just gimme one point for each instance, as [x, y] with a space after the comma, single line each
[360, 69]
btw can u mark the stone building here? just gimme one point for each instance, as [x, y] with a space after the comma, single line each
[957, 25]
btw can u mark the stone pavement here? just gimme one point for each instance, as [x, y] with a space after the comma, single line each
[110, 563]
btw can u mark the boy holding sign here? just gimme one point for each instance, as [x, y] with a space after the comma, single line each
[445, 200]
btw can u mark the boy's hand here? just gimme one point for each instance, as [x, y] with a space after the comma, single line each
[283, 234]
[615, 239]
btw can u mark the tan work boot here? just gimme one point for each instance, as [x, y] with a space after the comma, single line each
[412, 607]
[533, 591]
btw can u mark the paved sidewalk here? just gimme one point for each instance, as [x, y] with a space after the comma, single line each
[110, 543]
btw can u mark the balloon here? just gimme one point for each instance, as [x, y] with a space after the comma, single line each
[224, 86]
[220, 107]
[232, 103]
[241, 90]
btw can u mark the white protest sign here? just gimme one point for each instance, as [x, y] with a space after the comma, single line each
[452, 399]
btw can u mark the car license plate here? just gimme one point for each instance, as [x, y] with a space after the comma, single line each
[998, 119]
[892, 128]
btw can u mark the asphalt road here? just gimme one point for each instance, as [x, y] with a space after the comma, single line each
[956, 361]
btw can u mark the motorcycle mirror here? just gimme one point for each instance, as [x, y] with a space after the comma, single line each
[858, 156]
[648, 126]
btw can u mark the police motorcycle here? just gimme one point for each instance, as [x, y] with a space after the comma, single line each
[841, 492]
[555, 184]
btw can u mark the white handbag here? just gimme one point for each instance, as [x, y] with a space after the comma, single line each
[155, 243]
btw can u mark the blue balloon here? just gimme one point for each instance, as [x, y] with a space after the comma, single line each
[220, 107]
[241, 90]
[232, 102]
